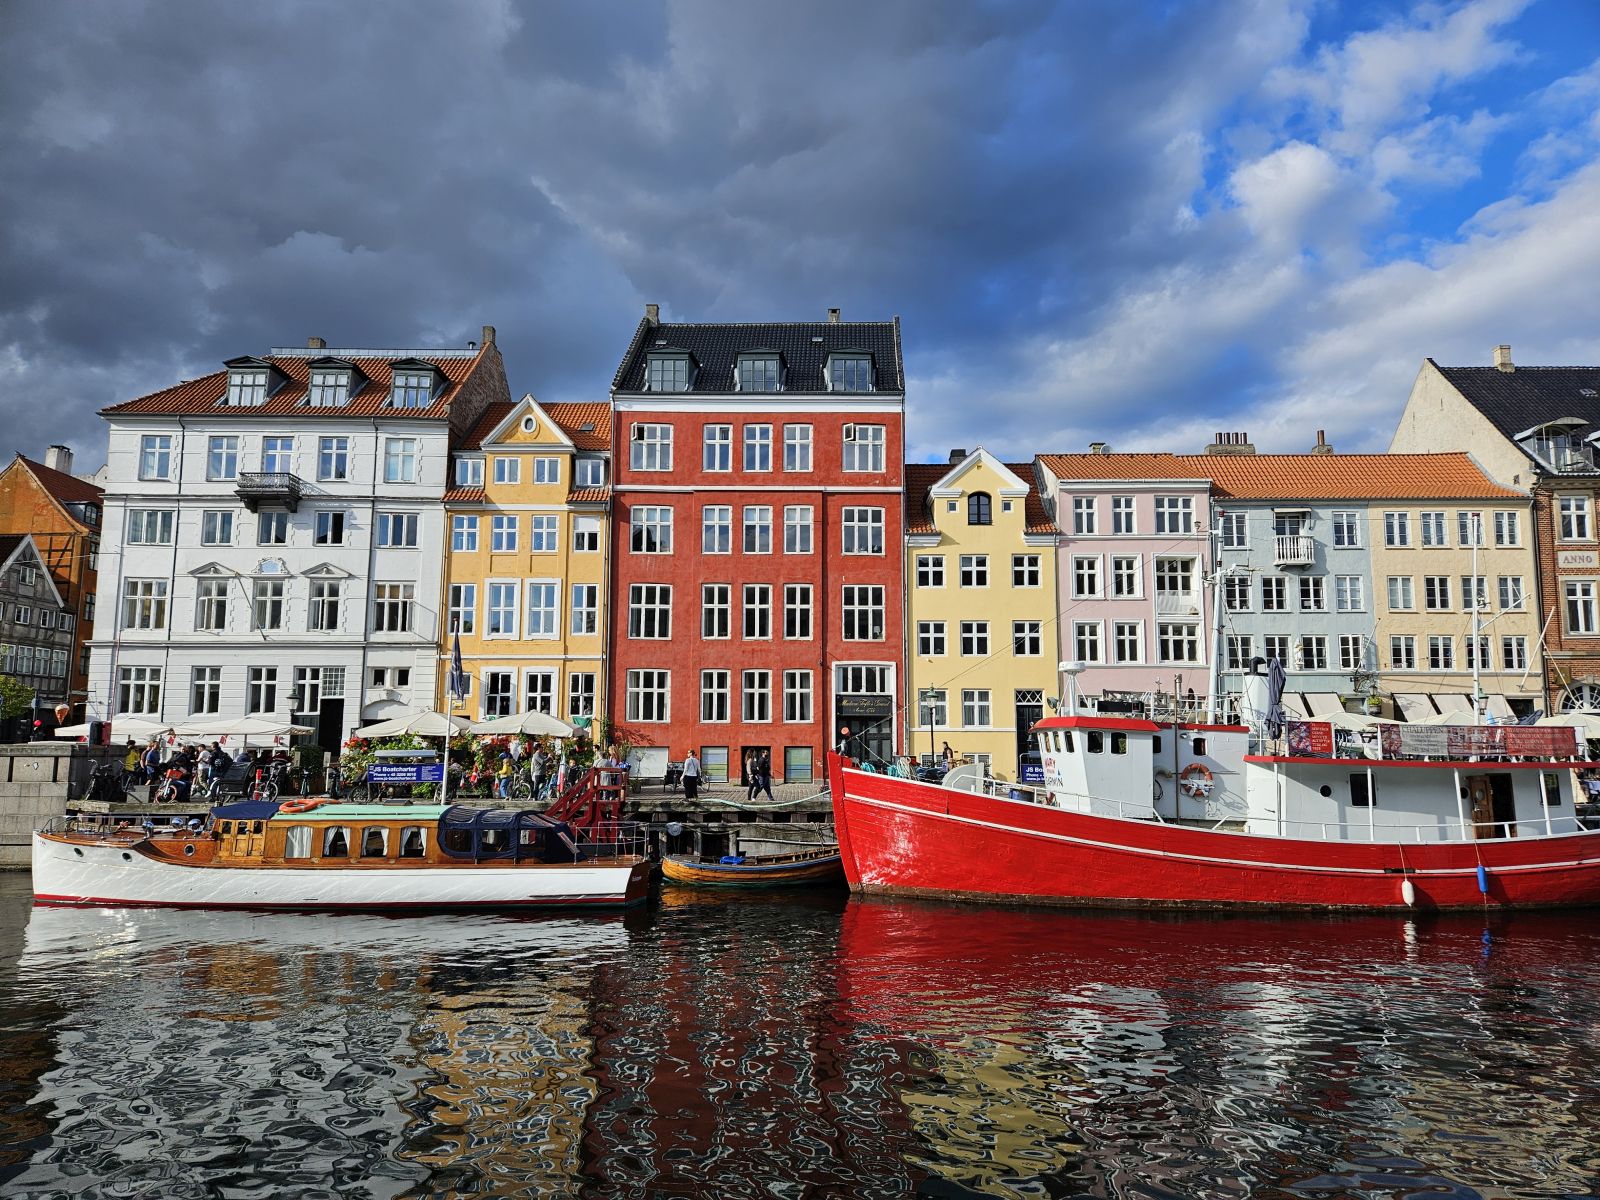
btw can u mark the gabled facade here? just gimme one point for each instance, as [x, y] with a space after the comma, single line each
[529, 548]
[274, 532]
[981, 616]
[758, 541]
[36, 623]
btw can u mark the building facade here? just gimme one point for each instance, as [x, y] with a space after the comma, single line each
[273, 534]
[36, 628]
[981, 614]
[757, 538]
[527, 557]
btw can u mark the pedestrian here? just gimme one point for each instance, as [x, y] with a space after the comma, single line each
[541, 768]
[502, 776]
[691, 775]
[948, 755]
[847, 742]
[763, 777]
[130, 760]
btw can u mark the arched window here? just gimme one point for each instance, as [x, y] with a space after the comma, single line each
[979, 509]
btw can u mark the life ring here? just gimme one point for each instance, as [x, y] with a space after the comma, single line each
[1195, 780]
[300, 806]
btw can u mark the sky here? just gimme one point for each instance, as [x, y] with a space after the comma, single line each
[1128, 221]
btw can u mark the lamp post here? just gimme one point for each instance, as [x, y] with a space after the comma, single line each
[926, 696]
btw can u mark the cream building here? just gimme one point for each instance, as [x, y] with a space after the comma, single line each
[981, 609]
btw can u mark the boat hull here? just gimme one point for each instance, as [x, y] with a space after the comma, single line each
[807, 873]
[899, 837]
[119, 873]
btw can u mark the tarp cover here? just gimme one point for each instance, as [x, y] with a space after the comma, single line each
[503, 828]
[245, 810]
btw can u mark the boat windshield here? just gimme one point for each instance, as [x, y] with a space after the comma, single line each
[479, 833]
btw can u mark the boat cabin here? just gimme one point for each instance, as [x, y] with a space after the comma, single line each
[1117, 766]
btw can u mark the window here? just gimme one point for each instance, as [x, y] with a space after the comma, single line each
[1441, 652]
[1511, 594]
[1506, 529]
[246, 388]
[648, 696]
[1289, 524]
[1175, 580]
[222, 458]
[580, 694]
[500, 610]
[155, 459]
[758, 372]
[1349, 593]
[975, 708]
[1174, 514]
[1086, 641]
[668, 373]
[974, 639]
[324, 611]
[1177, 642]
[399, 460]
[651, 448]
[1313, 653]
[1086, 575]
[1236, 592]
[797, 697]
[498, 693]
[1432, 528]
[758, 447]
[144, 604]
[546, 470]
[1514, 653]
[261, 696]
[412, 389]
[1346, 528]
[329, 528]
[539, 692]
[1478, 652]
[1024, 570]
[150, 526]
[1436, 592]
[1580, 606]
[930, 570]
[650, 610]
[933, 702]
[1469, 529]
[1313, 596]
[863, 612]
[1401, 598]
[758, 611]
[797, 529]
[277, 454]
[391, 607]
[863, 531]
[1027, 638]
[503, 534]
[651, 529]
[1125, 575]
[585, 608]
[216, 527]
[1122, 520]
[544, 533]
[716, 603]
[931, 639]
[1275, 594]
[849, 373]
[1396, 529]
[544, 608]
[1083, 514]
[205, 690]
[589, 472]
[714, 688]
[333, 459]
[463, 608]
[718, 448]
[974, 570]
[755, 691]
[758, 529]
[464, 534]
[1474, 592]
[211, 604]
[797, 447]
[1574, 518]
[469, 472]
[1234, 529]
[1352, 652]
[507, 470]
[139, 690]
[797, 612]
[980, 509]
[586, 535]
[1276, 645]
[1236, 654]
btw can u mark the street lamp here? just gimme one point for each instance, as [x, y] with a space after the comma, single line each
[927, 697]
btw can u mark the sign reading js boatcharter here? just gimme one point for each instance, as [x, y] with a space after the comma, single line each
[405, 773]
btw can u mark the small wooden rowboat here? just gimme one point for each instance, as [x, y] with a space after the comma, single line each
[806, 868]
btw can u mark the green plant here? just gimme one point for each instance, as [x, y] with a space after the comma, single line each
[16, 697]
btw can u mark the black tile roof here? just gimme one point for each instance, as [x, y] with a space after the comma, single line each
[805, 347]
[1515, 401]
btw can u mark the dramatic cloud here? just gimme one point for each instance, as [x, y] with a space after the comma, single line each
[1098, 221]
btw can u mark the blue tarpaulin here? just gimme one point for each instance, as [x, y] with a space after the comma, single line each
[245, 810]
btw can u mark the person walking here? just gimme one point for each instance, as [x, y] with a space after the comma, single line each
[691, 775]
[761, 777]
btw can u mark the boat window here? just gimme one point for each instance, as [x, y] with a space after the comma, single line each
[374, 842]
[491, 840]
[1155, 743]
[1119, 743]
[1552, 789]
[1066, 742]
[459, 841]
[297, 842]
[1324, 791]
[1199, 747]
[1360, 795]
[258, 827]
[335, 842]
[1096, 742]
[227, 827]
[413, 842]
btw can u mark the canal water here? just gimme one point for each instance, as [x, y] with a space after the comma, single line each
[799, 1046]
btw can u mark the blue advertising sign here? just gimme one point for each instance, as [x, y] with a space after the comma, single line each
[405, 773]
[1030, 772]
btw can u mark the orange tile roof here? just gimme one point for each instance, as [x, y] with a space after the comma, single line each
[465, 495]
[920, 478]
[589, 495]
[203, 395]
[1451, 476]
[573, 417]
[69, 489]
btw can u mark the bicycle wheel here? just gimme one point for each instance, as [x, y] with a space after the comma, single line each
[521, 789]
[358, 793]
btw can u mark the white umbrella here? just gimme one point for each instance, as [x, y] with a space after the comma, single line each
[121, 727]
[422, 724]
[536, 724]
[1356, 721]
[245, 727]
[1585, 721]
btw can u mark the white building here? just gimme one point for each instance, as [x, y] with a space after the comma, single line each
[274, 532]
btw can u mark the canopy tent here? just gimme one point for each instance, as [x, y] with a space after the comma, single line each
[240, 727]
[1453, 702]
[1415, 707]
[420, 724]
[1360, 722]
[536, 724]
[138, 728]
[1585, 721]
[1322, 704]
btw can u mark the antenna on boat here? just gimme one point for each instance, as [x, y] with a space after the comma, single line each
[1070, 694]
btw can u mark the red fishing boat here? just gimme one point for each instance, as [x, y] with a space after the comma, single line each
[1134, 812]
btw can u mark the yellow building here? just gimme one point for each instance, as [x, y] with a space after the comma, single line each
[981, 608]
[525, 569]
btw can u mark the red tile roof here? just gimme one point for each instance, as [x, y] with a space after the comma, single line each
[465, 495]
[589, 495]
[68, 489]
[1299, 476]
[573, 417]
[920, 478]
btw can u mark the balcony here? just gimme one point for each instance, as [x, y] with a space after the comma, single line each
[1177, 604]
[1294, 550]
[276, 489]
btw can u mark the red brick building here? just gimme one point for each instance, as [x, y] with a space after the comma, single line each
[757, 593]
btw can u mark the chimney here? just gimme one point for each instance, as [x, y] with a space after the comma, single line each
[1099, 448]
[59, 458]
[316, 343]
[1502, 359]
[652, 313]
[1322, 446]
[833, 316]
[955, 455]
[1231, 443]
[488, 335]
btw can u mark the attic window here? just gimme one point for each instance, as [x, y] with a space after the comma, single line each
[850, 373]
[758, 373]
[413, 388]
[669, 373]
[1587, 392]
[586, 427]
[329, 389]
[247, 387]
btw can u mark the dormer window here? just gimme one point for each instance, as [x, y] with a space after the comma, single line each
[469, 472]
[1559, 444]
[329, 389]
[247, 387]
[759, 373]
[413, 387]
[669, 373]
[850, 373]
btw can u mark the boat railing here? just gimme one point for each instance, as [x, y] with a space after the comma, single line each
[1451, 830]
[609, 839]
